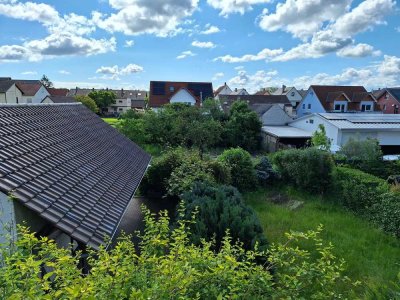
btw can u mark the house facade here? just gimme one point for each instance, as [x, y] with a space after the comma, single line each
[222, 90]
[338, 99]
[192, 93]
[389, 100]
[291, 93]
[59, 99]
[33, 91]
[9, 92]
[254, 100]
[341, 127]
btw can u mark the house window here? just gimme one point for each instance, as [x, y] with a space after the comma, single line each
[120, 101]
[120, 109]
[396, 109]
[384, 106]
[340, 107]
[366, 107]
[171, 89]
[292, 94]
[309, 106]
[304, 106]
[387, 96]
[311, 121]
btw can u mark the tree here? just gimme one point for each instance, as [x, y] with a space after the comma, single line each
[46, 82]
[204, 134]
[88, 102]
[320, 140]
[265, 172]
[243, 128]
[213, 108]
[357, 149]
[103, 99]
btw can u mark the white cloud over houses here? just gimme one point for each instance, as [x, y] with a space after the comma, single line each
[114, 72]
[208, 45]
[227, 7]
[264, 54]
[185, 54]
[134, 17]
[256, 81]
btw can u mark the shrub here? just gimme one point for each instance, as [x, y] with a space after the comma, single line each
[241, 166]
[220, 171]
[386, 213]
[265, 172]
[320, 140]
[359, 190]
[88, 102]
[170, 267]
[220, 209]
[309, 169]
[134, 129]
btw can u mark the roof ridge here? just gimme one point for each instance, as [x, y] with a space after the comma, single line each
[37, 104]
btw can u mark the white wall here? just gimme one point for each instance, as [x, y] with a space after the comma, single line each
[225, 91]
[40, 95]
[11, 95]
[7, 218]
[294, 96]
[183, 96]
[310, 98]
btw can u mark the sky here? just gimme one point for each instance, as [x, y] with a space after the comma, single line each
[246, 43]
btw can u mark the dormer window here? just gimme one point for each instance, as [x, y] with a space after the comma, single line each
[366, 107]
[292, 94]
[171, 89]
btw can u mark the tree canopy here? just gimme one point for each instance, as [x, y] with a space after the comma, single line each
[88, 102]
[46, 81]
[103, 99]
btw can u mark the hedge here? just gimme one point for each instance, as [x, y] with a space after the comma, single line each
[370, 197]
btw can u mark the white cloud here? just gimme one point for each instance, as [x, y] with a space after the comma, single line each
[210, 29]
[12, 53]
[262, 55]
[185, 54]
[29, 73]
[64, 72]
[359, 50]
[383, 73]
[302, 18]
[208, 45]
[228, 7]
[129, 43]
[133, 17]
[218, 76]
[253, 82]
[115, 71]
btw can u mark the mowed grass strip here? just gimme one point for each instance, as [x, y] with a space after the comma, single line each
[372, 257]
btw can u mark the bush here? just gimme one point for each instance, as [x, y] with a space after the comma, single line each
[134, 129]
[386, 213]
[220, 209]
[88, 102]
[170, 267]
[239, 161]
[359, 190]
[265, 172]
[308, 169]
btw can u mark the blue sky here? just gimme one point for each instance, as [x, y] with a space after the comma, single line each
[247, 43]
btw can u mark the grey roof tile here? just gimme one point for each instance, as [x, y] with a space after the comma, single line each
[70, 167]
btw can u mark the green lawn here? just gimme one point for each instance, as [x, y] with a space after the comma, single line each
[112, 121]
[372, 256]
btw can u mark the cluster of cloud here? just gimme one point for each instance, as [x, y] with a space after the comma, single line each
[68, 34]
[114, 72]
[383, 73]
[208, 45]
[185, 54]
[228, 7]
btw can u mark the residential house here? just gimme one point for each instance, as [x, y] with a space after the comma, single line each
[9, 92]
[33, 91]
[222, 90]
[239, 92]
[263, 91]
[291, 93]
[71, 175]
[192, 93]
[272, 114]
[59, 99]
[323, 99]
[340, 127]
[388, 100]
[254, 100]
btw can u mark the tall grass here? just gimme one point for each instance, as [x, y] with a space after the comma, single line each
[372, 257]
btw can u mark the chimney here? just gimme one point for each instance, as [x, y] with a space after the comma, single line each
[235, 89]
[225, 84]
[122, 92]
[76, 90]
[283, 88]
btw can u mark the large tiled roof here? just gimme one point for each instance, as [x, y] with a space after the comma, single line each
[28, 87]
[5, 85]
[70, 167]
[228, 100]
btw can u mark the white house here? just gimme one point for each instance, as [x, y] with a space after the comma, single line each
[239, 92]
[33, 91]
[291, 93]
[222, 90]
[327, 99]
[183, 96]
[340, 127]
[273, 114]
[9, 92]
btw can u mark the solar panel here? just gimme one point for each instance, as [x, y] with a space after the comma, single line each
[201, 89]
[158, 88]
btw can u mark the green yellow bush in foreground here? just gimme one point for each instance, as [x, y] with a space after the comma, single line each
[169, 267]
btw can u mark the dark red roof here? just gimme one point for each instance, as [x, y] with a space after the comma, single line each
[28, 88]
[58, 92]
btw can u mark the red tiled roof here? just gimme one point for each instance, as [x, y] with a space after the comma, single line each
[28, 88]
[58, 92]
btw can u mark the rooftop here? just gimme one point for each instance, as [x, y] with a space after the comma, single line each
[70, 167]
[286, 132]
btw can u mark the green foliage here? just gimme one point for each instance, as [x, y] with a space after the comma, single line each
[243, 128]
[265, 172]
[220, 209]
[204, 134]
[88, 102]
[370, 197]
[320, 140]
[239, 161]
[213, 108]
[103, 99]
[308, 169]
[170, 267]
[131, 114]
[135, 130]
[176, 170]
[358, 190]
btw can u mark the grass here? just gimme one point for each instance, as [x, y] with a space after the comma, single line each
[372, 257]
[112, 121]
